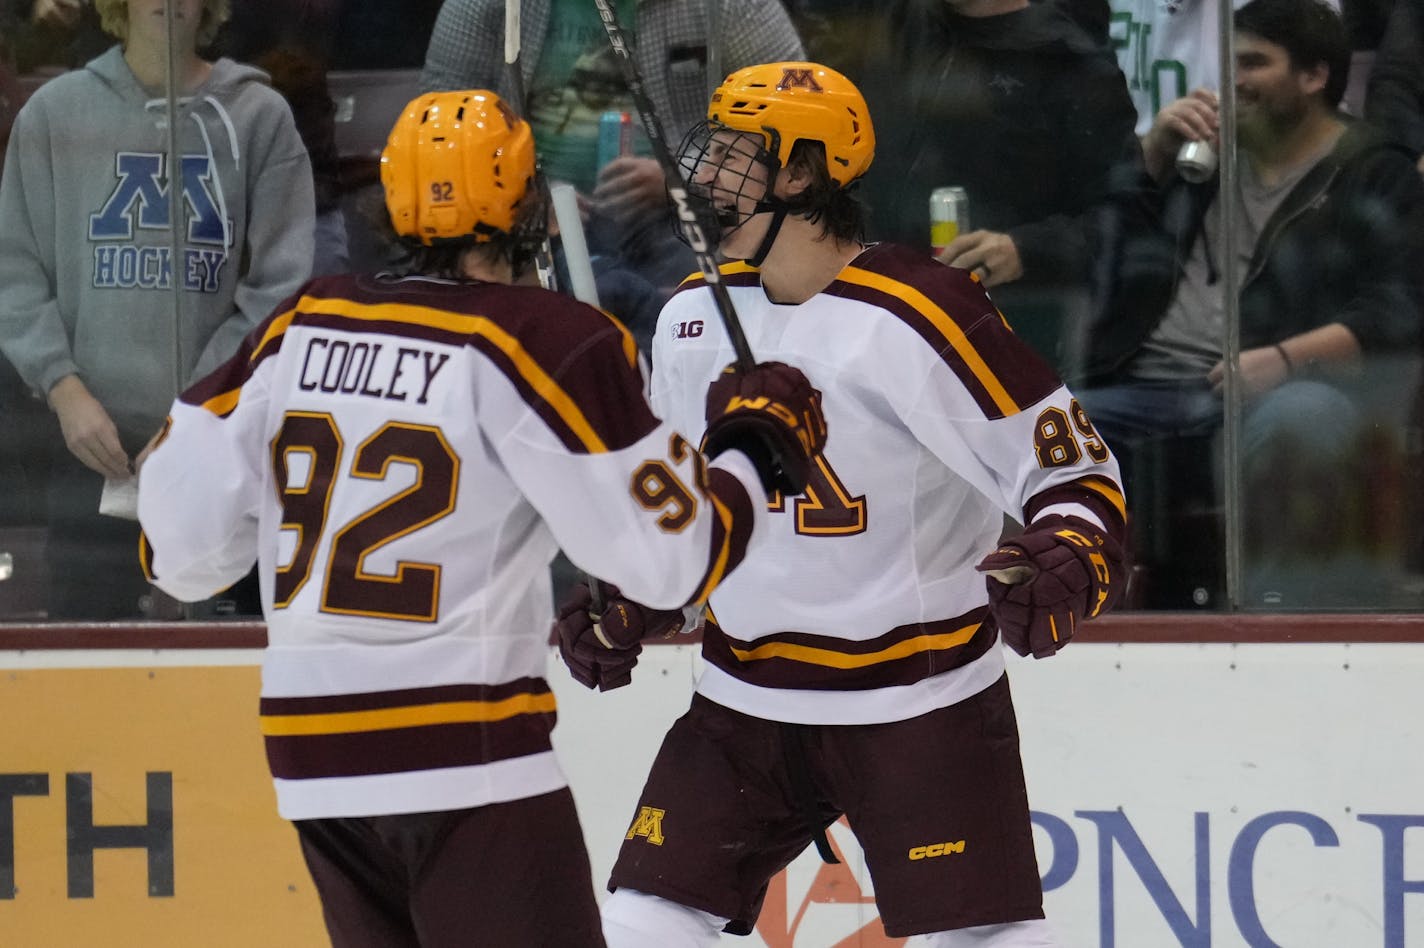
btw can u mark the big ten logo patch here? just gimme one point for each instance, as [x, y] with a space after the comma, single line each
[813, 903]
[689, 329]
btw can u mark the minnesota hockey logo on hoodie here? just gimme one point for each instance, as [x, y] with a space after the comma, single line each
[139, 202]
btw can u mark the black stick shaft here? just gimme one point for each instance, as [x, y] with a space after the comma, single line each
[687, 218]
[544, 256]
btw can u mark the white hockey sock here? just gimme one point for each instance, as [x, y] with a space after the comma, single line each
[633, 919]
[1033, 933]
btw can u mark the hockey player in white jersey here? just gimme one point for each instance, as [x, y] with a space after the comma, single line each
[403, 455]
[853, 663]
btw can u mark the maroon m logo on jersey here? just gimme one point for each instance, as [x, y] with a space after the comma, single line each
[798, 79]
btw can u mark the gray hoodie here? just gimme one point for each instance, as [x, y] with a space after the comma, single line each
[88, 263]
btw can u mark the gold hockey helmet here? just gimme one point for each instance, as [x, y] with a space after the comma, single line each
[456, 165]
[786, 102]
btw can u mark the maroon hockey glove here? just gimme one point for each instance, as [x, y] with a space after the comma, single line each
[773, 416]
[1058, 573]
[601, 652]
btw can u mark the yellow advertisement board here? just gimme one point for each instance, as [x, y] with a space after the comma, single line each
[136, 810]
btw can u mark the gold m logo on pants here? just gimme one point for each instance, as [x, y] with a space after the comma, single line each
[648, 823]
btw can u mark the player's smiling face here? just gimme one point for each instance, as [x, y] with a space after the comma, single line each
[732, 174]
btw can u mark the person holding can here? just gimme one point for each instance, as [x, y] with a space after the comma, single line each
[1025, 110]
[1328, 226]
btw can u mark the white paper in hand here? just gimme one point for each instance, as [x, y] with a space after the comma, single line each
[120, 498]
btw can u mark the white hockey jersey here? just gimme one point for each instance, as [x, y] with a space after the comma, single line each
[403, 457]
[863, 604]
[1167, 48]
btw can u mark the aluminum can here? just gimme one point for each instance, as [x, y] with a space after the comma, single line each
[949, 216]
[1196, 161]
[615, 135]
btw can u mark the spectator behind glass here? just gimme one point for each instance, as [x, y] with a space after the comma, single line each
[1328, 224]
[572, 78]
[46, 35]
[88, 279]
[296, 43]
[1025, 110]
[1394, 100]
[1168, 49]
[290, 41]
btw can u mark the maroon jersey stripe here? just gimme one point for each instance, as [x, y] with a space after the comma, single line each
[728, 547]
[575, 366]
[951, 311]
[1099, 494]
[308, 737]
[733, 274]
[902, 656]
[407, 749]
[220, 389]
[401, 698]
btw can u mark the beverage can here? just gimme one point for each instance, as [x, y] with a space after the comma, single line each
[615, 135]
[1196, 161]
[949, 216]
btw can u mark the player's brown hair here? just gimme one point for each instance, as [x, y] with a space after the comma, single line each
[836, 208]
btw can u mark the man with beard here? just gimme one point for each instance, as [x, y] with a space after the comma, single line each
[1327, 223]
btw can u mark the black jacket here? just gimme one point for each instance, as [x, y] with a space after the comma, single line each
[1030, 114]
[1346, 246]
[1027, 111]
[1394, 98]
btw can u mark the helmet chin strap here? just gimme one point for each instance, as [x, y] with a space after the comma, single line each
[778, 217]
[778, 208]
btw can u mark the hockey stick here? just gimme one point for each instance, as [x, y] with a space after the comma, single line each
[544, 256]
[583, 284]
[583, 288]
[576, 259]
[511, 54]
[689, 221]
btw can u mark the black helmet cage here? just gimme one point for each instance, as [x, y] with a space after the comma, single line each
[531, 224]
[717, 196]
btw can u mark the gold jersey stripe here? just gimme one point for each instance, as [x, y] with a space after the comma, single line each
[630, 345]
[423, 715]
[947, 327]
[812, 655]
[1109, 492]
[719, 568]
[224, 402]
[726, 269]
[533, 374]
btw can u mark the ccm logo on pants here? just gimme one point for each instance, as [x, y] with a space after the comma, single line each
[936, 849]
